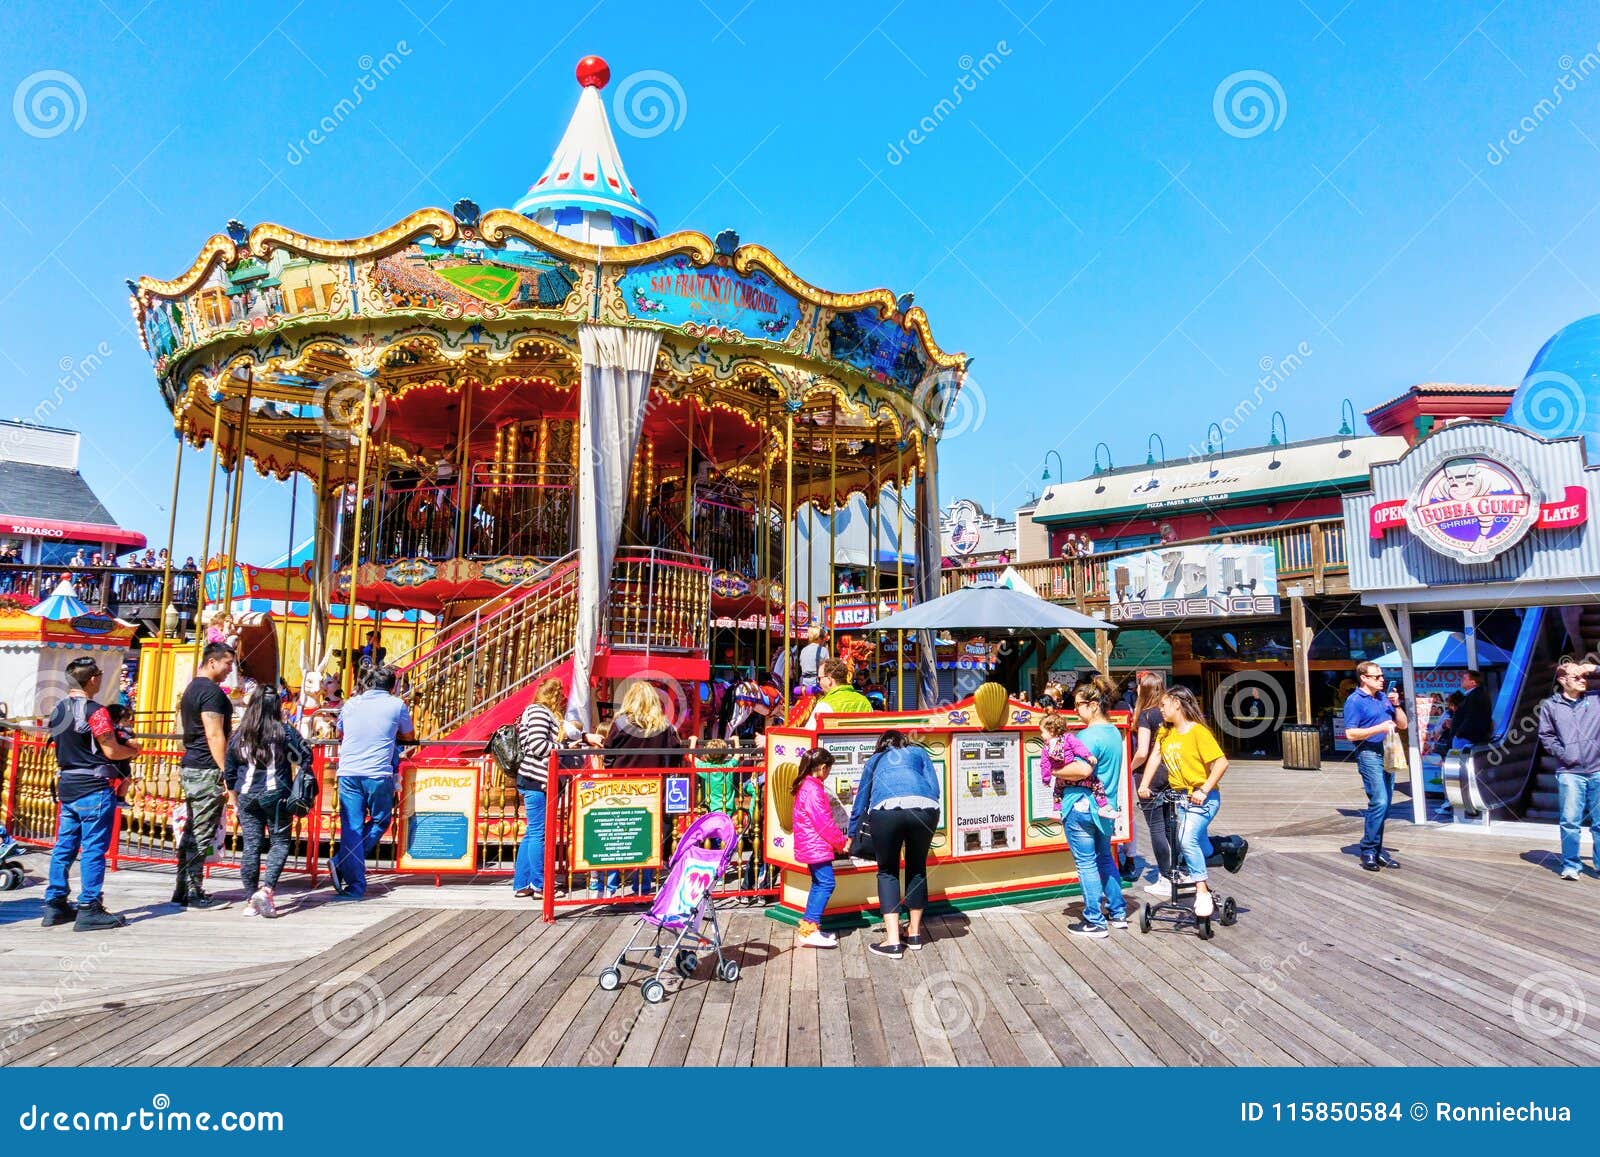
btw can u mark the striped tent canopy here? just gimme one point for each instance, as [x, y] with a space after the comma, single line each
[61, 606]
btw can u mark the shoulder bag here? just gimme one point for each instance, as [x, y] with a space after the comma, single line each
[861, 843]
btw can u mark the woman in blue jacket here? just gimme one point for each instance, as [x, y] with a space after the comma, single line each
[900, 790]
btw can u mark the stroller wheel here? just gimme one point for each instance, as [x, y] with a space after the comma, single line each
[10, 878]
[1203, 929]
[653, 991]
[1230, 913]
[685, 963]
[611, 979]
[728, 970]
[1144, 918]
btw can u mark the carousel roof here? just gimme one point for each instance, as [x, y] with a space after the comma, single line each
[584, 193]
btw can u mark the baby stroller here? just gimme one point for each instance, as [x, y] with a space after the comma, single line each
[1179, 909]
[683, 910]
[11, 870]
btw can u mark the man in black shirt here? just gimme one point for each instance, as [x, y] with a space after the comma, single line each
[205, 714]
[85, 746]
[1473, 722]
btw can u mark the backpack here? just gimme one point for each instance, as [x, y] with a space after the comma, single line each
[303, 788]
[506, 748]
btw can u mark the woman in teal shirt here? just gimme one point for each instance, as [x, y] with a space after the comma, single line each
[1089, 833]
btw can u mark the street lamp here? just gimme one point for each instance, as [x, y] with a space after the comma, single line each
[1109, 466]
[1045, 477]
[1347, 425]
[1278, 423]
[1150, 453]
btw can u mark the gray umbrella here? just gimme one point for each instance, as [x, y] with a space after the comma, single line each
[989, 608]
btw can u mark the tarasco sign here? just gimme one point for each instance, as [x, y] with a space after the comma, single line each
[1475, 505]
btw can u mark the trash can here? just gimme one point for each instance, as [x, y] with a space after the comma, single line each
[1302, 747]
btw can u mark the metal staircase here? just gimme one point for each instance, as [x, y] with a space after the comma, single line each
[502, 647]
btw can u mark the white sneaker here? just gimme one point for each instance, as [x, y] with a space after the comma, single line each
[262, 903]
[1204, 905]
[1161, 889]
[249, 908]
[820, 939]
[1571, 873]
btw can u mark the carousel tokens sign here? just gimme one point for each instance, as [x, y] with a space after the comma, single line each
[1474, 506]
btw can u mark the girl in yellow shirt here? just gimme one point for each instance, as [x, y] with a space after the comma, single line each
[1195, 764]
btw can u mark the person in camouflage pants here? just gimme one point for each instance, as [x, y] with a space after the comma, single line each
[206, 715]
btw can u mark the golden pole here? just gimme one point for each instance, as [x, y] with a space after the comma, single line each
[355, 538]
[464, 469]
[788, 551]
[231, 537]
[900, 570]
[172, 531]
[288, 562]
[833, 496]
[205, 541]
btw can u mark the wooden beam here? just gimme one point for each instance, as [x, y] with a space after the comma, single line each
[1302, 658]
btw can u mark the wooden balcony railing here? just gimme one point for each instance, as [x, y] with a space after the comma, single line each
[124, 590]
[1311, 552]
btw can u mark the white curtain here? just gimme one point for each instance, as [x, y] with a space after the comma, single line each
[613, 395]
[929, 560]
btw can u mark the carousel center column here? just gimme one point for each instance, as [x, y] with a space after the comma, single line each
[613, 393]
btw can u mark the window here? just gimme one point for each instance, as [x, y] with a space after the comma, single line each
[59, 552]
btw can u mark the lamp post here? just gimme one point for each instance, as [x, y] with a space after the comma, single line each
[1274, 441]
[1347, 426]
[1109, 466]
[1045, 477]
[1150, 453]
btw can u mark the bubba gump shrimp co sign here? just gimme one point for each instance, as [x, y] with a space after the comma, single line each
[1476, 505]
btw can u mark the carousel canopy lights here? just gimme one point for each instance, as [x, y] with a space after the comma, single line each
[584, 193]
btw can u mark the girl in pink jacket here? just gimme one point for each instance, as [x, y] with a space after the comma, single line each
[816, 839]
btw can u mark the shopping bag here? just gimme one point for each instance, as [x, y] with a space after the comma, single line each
[1394, 753]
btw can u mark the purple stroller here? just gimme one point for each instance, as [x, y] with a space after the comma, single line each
[683, 909]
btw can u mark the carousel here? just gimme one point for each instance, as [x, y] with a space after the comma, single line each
[571, 440]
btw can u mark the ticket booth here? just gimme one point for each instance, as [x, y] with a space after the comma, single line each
[999, 838]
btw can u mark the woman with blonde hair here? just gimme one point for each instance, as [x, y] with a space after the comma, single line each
[640, 736]
[540, 730]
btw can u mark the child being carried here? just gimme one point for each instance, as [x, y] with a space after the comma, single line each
[1061, 747]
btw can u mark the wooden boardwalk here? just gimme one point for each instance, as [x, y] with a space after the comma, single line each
[1473, 953]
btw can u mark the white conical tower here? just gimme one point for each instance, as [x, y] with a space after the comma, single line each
[585, 193]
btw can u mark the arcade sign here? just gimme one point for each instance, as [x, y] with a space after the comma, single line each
[1475, 506]
[853, 616]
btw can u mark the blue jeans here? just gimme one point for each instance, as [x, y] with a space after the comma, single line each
[1580, 807]
[1097, 867]
[530, 852]
[1193, 841]
[366, 804]
[84, 831]
[821, 889]
[1379, 785]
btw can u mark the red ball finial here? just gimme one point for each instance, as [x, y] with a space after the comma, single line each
[593, 72]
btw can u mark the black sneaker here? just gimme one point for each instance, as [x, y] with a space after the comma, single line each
[914, 943]
[204, 901]
[58, 912]
[1233, 855]
[893, 951]
[1084, 928]
[93, 917]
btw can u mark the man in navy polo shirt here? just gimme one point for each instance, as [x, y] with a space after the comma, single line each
[1369, 716]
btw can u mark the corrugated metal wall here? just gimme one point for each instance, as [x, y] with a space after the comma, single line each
[1399, 561]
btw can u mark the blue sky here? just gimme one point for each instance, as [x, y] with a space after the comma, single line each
[1118, 256]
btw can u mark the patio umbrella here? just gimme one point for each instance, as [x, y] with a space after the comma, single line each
[1446, 649]
[989, 608]
[61, 606]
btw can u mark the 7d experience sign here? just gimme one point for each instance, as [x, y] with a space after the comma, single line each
[618, 823]
[1473, 507]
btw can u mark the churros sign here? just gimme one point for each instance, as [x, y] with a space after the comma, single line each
[1473, 507]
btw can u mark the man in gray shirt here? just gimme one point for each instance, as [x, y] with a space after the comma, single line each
[1569, 730]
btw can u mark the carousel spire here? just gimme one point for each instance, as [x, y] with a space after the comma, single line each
[585, 193]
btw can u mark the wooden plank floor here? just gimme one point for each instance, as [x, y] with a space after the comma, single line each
[1472, 954]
